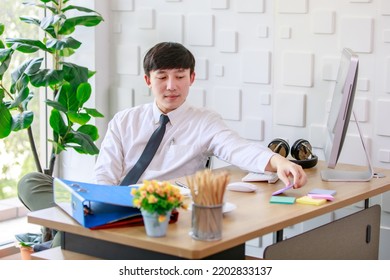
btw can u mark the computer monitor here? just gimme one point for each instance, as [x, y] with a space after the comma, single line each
[339, 118]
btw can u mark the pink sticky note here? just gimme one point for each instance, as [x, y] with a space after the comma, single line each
[283, 190]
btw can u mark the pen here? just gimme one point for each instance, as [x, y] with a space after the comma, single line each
[180, 184]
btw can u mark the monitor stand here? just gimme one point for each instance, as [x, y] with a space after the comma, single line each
[333, 175]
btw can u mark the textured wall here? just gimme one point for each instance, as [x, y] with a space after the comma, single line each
[268, 67]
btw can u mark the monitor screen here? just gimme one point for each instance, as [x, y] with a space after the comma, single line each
[339, 118]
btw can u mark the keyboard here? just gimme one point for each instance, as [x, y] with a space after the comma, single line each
[271, 177]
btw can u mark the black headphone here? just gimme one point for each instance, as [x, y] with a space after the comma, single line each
[301, 151]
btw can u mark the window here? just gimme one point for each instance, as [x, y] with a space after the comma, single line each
[15, 153]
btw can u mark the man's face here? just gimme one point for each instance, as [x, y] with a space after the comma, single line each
[170, 87]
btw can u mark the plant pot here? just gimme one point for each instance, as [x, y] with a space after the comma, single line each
[25, 252]
[153, 227]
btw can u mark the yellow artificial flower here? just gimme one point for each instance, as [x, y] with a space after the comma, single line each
[157, 197]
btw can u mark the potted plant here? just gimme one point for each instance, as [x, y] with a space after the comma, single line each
[66, 82]
[26, 242]
[156, 201]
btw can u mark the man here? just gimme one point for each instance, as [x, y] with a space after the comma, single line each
[192, 134]
[191, 137]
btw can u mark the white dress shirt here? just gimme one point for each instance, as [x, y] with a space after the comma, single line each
[192, 135]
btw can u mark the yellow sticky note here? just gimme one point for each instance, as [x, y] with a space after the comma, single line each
[308, 200]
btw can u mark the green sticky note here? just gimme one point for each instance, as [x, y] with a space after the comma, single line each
[282, 199]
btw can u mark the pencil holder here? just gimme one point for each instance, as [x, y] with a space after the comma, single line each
[207, 222]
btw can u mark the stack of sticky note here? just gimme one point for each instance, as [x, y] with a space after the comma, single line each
[314, 197]
[317, 197]
[282, 199]
[308, 200]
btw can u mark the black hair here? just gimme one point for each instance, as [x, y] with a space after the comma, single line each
[168, 55]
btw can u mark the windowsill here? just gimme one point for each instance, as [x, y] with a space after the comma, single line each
[13, 220]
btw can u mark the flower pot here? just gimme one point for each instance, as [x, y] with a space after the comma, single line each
[25, 252]
[154, 227]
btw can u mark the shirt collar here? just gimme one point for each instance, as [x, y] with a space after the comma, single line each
[174, 115]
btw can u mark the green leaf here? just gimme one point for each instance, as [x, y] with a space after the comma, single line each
[46, 77]
[56, 105]
[57, 123]
[22, 120]
[25, 45]
[47, 1]
[5, 53]
[93, 112]
[53, 10]
[49, 21]
[80, 118]
[29, 67]
[84, 141]
[84, 91]
[91, 73]
[58, 147]
[48, 24]
[69, 25]
[67, 98]
[90, 130]
[30, 20]
[5, 121]
[81, 9]
[5, 57]
[75, 74]
[25, 101]
[66, 52]
[1, 28]
[68, 42]
[20, 97]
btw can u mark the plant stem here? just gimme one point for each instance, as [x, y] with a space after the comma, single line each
[52, 162]
[34, 149]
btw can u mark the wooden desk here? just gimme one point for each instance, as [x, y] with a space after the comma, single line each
[254, 217]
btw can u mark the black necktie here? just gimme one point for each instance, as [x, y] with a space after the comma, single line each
[148, 153]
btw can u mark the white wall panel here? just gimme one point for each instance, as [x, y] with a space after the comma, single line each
[218, 70]
[353, 152]
[121, 98]
[122, 5]
[298, 69]
[262, 31]
[253, 129]
[387, 74]
[201, 68]
[386, 36]
[357, 34]
[323, 22]
[127, 59]
[197, 97]
[227, 102]
[250, 6]
[383, 117]
[292, 6]
[285, 32]
[170, 27]
[200, 30]
[384, 7]
[219, 4]
[227, 41]
[145, 18]
[384, 156]
[361, 109]
[256, 66]
[290, 109]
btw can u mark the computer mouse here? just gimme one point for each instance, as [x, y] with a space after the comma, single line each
[241, 187]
